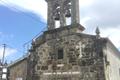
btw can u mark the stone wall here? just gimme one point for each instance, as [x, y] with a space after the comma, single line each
[68, 54]
[112, 62]
[65, 54]
[18, 71]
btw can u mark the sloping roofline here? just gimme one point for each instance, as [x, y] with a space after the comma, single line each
[18, 61]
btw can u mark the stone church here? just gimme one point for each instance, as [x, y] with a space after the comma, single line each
[66, 53]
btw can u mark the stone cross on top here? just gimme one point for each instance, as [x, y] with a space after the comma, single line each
[59, 10]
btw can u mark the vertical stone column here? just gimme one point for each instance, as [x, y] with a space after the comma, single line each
[75, 11]
[50, 18]
[62, 14]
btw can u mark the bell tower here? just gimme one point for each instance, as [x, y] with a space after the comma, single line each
[60, 10]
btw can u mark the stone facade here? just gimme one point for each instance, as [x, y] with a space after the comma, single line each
[112, 62]
[67, 54]
[18, 70]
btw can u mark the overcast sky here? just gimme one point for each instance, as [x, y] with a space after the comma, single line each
[102, 13]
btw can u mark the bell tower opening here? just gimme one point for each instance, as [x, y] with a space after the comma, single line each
[62, 13]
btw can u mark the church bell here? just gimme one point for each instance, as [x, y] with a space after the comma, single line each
[57, 16]
[68, 13]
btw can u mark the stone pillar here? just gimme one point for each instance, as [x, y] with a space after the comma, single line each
[75, 11]
[62, 14]
[50, 18]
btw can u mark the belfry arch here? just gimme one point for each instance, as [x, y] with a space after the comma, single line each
[60, 10]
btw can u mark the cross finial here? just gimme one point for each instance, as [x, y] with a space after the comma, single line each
[97, 32]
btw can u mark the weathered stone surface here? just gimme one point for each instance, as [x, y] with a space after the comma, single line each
[18, 70]
[81, 57]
